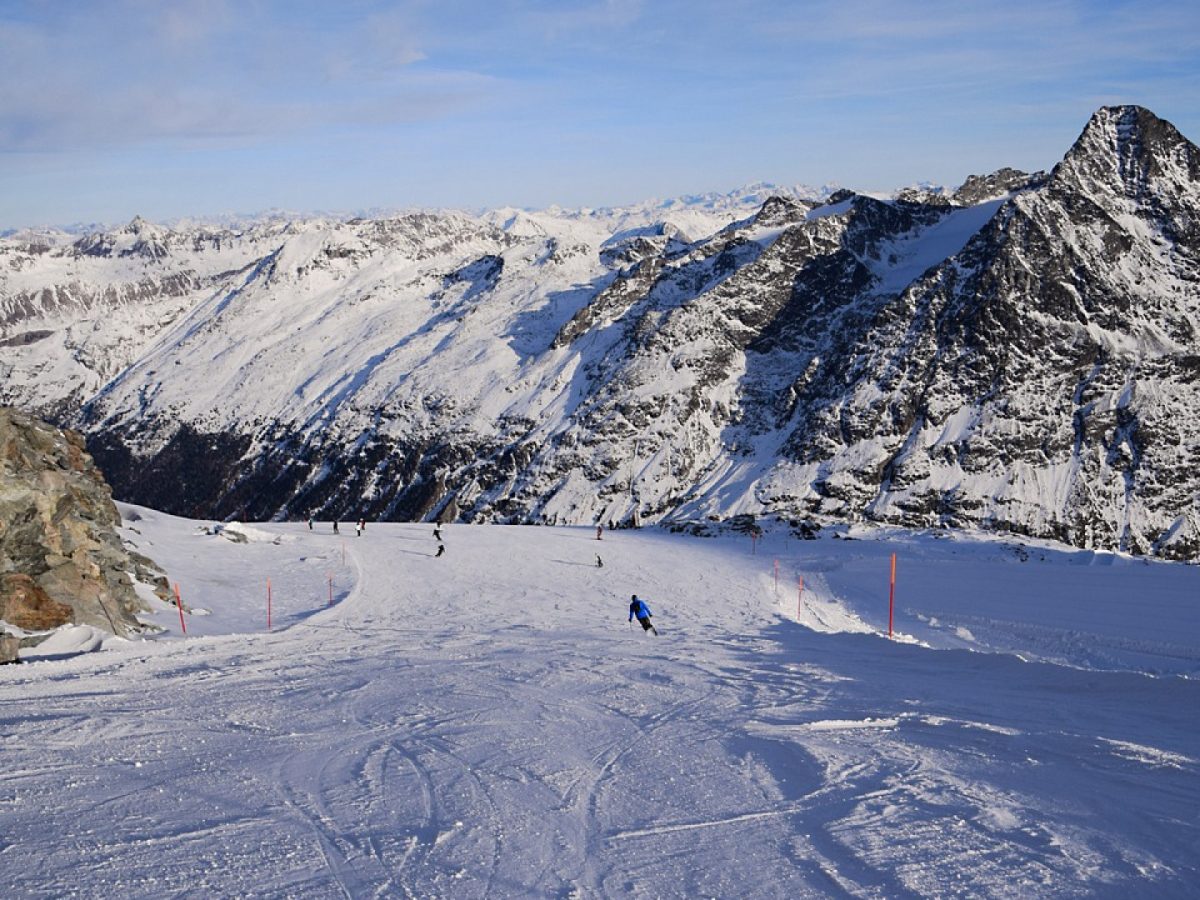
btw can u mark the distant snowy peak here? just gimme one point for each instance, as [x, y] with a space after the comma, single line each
[138, 238]
[751, 195]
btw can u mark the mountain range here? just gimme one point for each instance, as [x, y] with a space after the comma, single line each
[1019, 354]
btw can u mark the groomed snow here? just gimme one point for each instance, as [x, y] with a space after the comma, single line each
[488, 724]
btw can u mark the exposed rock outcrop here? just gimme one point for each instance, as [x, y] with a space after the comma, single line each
[61, 559]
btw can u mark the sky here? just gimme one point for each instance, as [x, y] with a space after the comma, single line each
[116, 108]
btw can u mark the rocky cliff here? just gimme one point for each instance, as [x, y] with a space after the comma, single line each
[61, 559]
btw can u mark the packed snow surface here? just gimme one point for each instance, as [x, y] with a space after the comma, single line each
[489, 724]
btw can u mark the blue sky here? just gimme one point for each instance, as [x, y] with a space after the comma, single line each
[113, 108]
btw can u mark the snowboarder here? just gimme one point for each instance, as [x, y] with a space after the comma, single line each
[441, 550]
[640, 611]
[599, 562]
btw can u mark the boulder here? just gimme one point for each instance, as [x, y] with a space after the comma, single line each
[9, 645]
[61, 559]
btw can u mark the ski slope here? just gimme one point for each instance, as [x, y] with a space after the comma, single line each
[488, 724]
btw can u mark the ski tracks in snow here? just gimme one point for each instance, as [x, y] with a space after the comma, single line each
[486, 725]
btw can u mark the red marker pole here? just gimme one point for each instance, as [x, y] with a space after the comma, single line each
[268, 604]
[799, 595]
[892, 596]
[179, 604]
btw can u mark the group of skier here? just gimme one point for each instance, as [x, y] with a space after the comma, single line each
[637, 607]
[359, 527]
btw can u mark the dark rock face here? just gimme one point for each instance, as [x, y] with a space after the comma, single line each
[184, 477]
[1020, 354]
[61, 559]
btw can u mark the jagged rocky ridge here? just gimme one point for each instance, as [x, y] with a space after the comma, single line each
[1020, 354]
[61, 559]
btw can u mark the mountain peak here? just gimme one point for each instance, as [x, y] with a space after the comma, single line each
[140, 227]
[1125, 148]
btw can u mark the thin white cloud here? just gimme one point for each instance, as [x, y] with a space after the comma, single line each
[140, 71]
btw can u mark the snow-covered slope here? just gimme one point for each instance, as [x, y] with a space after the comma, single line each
[464, 727]
[1019, 354]
[75, 312]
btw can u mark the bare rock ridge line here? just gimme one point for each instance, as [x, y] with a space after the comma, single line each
[61, 559]
[1020, 354]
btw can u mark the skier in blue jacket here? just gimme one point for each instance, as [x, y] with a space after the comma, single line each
[640, 611]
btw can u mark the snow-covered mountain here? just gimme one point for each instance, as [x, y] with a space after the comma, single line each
[1018, 354]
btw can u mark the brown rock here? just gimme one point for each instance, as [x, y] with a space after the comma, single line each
[24, 604]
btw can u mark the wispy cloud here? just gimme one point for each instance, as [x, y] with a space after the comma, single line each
[139, 70]
[519, 98]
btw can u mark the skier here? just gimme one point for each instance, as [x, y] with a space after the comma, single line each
[599, 532]
[599, 562]
[640, 611]
[358, 526]
[310, 522]
[437, 534]
[441, 550]
[335, 531]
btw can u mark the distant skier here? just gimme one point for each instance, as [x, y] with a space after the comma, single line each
[310, 523]
[437, 534]
[358, 526]
[640, 611]
[599, 562]
[599, 532]
[441, 550]
[335, 531]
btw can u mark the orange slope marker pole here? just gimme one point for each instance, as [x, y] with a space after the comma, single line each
[892, 596]
[179, 604]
